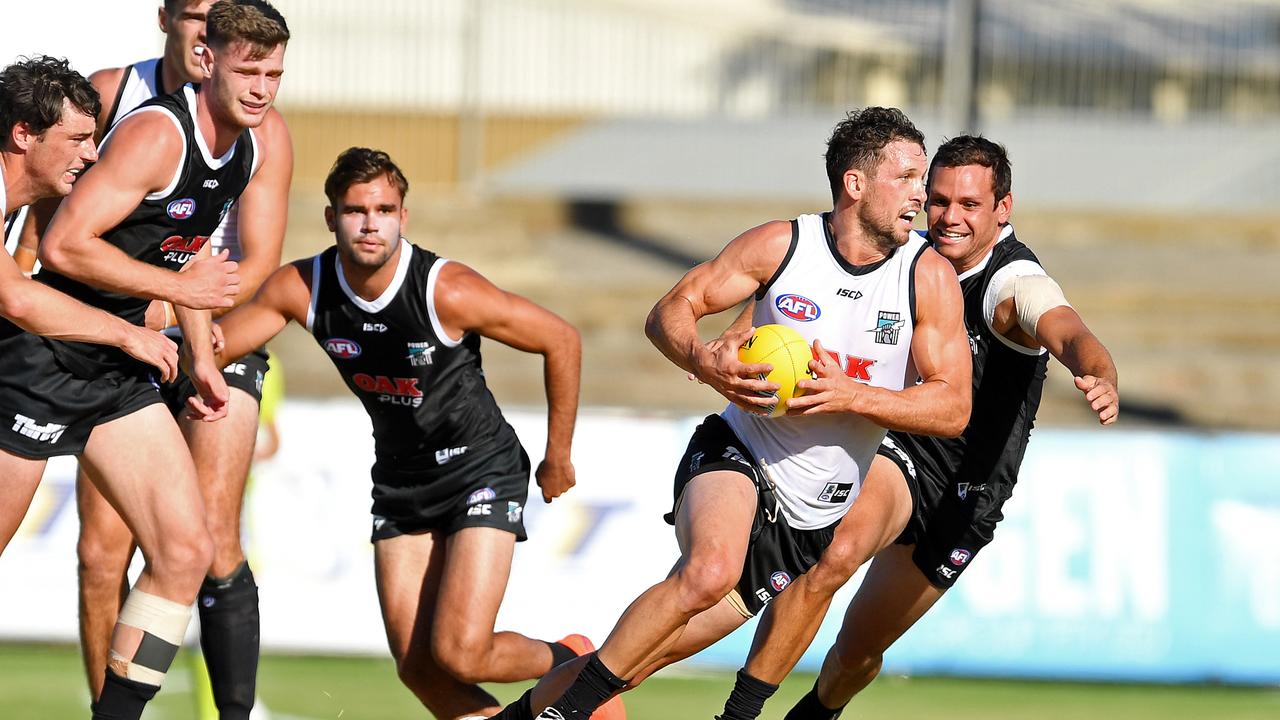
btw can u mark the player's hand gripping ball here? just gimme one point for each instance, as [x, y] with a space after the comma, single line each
[789, 354]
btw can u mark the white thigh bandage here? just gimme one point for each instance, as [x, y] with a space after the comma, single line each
[1033, 296]
[163, 624]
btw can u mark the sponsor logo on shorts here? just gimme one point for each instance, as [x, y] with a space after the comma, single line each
[962, 489]
[798, 307]
[342, 348]
[735, 455]
[888, 327]
[396, 391]
[482, 495]
[947, 572]
[181, 209]
[420, 353]
[514, 511]
[835, 492]
[763, 595]
[378, 522]
[481, 510]
[550, 714]
[258, 378]
[40, 432]
[208, 601]
[888, 442]
[695, 462]
[444, 455]
[779, 580]
[234, 369]
[960, 556]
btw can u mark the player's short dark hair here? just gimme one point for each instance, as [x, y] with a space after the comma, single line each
[361, 165]
[977, 150]
[859, 140]
[32, 91]
[254, 22]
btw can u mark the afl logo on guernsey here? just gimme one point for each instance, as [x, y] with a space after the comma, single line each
[181, 209]
[798, 307]
[342, 348]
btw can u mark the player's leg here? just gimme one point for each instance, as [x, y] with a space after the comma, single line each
[892, 597]
[409, 569]
[228, 601]
[19, 478]
[146, 473]
[791, 621]
[104, 550]
[713, 528]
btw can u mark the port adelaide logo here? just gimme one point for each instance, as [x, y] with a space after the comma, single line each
[888, 326]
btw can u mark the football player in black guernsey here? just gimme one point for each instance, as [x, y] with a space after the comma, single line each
[1015, 316]
[450, 479]
[135, 229]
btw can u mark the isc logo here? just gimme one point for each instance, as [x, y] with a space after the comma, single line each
[181, 209]
[798, 307]
[342, 348]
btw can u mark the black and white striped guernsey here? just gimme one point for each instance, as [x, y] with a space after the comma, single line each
[424, 391]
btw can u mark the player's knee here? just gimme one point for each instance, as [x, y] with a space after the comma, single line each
[185, 555]
[839, 562]
[858, 665]
[467, 661]
[103, 559]
[705, 580]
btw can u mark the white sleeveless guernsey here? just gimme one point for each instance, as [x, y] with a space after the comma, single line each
[864, 315]
[142, 82]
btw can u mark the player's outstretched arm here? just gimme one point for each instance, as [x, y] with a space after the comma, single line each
[140, 158]
[741, 268]
[285, 295]
[263, 207]
[940, 403]
[38, 308]
[1063, 333]
[466, 302]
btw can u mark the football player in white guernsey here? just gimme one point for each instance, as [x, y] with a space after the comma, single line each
[253, 233]
[1011, 297]
[47, 142]
[442, 574]
[745, 521]
[146, 156]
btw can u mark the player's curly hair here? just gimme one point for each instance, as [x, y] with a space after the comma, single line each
[361, 165]
[32, 91]
[255, 22]
[977, 150]
[859, 140]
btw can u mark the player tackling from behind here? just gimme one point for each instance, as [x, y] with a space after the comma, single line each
[450, 478]
[1015, 316]
[757, 498]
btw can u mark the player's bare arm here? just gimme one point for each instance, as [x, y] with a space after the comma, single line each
[285, 295]
[262, 207]
[140, 159]
[209, 403]
[467, 302]
[741, 268]
[38, 308]
[940, 403]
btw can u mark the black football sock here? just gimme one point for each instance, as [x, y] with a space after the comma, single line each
[593, 686]
[810, 708]
[229, 634]
[748, 698]
[122, 698]
[560, 653]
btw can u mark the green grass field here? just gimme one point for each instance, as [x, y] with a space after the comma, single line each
[44, 683]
